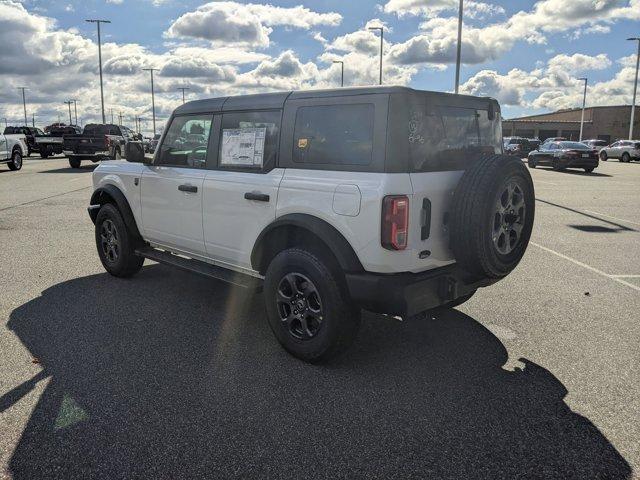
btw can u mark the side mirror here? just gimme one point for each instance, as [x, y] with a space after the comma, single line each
[134, 152]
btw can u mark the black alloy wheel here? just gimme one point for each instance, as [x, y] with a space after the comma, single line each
[109, 241]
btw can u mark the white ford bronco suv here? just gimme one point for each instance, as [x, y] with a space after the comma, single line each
[388, 199]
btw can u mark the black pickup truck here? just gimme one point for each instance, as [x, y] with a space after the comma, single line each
[97, 142]
[52, 142]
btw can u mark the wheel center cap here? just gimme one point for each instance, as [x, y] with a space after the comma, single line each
[300, 304]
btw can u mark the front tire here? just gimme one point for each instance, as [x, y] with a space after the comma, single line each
[16, 161]
[603, 156]
[75, 162]
[116, 245]
[308, 306]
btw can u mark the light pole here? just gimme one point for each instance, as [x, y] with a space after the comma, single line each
[120, 118]
[111, 116]
[459, 48]
[635, 89]
[68, 103]
[24, 105]
[6, 123]
[341, 71]
[584, 102]
[33, 120]
[153, 101]
[100, 64]
[381, 46]
[75, 110]
[183, 89]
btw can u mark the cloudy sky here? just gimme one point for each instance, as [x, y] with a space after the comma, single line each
[526, 53]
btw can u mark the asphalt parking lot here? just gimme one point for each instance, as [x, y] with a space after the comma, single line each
[169, 375]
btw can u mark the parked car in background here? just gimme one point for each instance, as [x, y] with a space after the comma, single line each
[518, 146]
[596, 144]
[97, 142]
[563, 155]
[30, 134]
[13, 147]
[623, 150]
[331, 201]
[57, 124]
[52, 142]
[153, 144]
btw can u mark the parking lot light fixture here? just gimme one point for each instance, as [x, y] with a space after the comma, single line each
[24, 105]
[68, 103]
[183, 90]
[584, 102]
[381, 47]
[75, 110]
[341, 71]
[635, 88]
[459, 47]
[153, 100]
[98, 22]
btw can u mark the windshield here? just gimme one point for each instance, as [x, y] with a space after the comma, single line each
[574, 146]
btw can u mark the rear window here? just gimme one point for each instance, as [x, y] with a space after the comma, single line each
[334, 134]
[96, 129]
[443, 138]
[574, 145]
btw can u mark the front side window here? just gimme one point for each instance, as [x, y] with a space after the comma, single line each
[186, 141]
[334, 134]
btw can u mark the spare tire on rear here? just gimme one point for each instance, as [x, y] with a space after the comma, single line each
[492, 216]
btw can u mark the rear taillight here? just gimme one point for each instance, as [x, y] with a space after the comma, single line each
[395, 222]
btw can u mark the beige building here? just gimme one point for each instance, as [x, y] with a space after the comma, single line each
[606, 123]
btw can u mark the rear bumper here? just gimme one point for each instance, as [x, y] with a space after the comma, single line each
[407, 294]
[579, 162]
[97, 155]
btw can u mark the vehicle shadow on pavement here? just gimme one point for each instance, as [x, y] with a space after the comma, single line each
[169, 375]
[81, 169]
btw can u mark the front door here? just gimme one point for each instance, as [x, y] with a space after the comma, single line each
[172, 188]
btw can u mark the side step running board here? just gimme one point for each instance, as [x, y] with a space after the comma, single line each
[196, 266]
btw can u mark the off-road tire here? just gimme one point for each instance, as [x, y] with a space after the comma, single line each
[474, 215]
[16, 160]
[74, 162]
[340, 317]
[126, 263]
[603, 156]
[626, 158]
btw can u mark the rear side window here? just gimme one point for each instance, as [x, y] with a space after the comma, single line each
[334, 134]
[249, 139]
[445, 138]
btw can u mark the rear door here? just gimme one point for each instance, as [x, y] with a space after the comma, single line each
[172, 187]
[241, 189]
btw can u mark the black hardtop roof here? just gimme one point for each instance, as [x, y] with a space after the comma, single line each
[265, 101]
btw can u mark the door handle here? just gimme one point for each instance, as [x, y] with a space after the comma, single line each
[188, 188]
[260, 197]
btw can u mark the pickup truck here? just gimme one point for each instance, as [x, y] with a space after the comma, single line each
[12, 148]
[97, 142]
[52, 142]
[30, 134]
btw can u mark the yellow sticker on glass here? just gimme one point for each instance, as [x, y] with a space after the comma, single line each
[303, 142]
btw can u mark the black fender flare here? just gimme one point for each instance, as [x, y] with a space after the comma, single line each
[109, 192]
[332, 238]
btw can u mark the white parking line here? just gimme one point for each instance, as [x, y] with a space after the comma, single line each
[624, 276]
[611, 216]
[588, 267]
[546, 183]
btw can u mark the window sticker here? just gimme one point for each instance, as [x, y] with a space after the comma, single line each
[243, 146]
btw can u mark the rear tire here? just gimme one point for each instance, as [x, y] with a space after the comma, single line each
[16, 161]
[603, 156]
[44, 154]
[308, 306]
[75, 162]
[626, 158]
[116, 245]
[492, 216]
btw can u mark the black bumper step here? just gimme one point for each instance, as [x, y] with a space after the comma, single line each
[238, 279]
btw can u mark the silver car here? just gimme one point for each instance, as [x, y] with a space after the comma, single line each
[623, 150]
